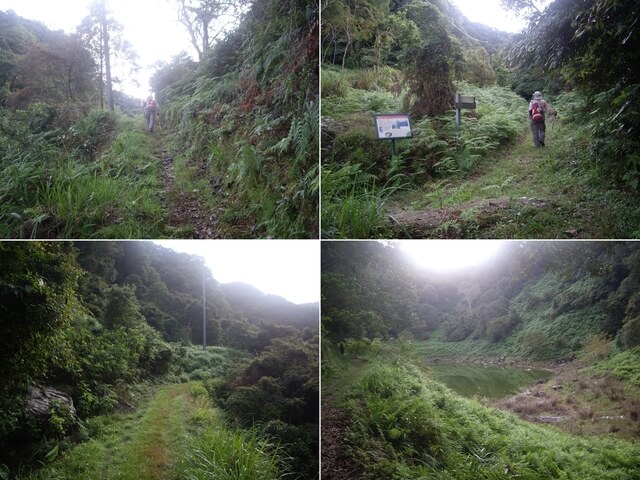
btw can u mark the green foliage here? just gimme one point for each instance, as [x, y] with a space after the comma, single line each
[48, 193]
[232, 455]
[575, 39]
[536, 343]
[539, 301]
[596, 348]
[352, 203]
[368, 291]
[255, 126]
[279, 391]
[623, 365]
[37, 288]
[430, 62]
[400, 423]
[61, 420]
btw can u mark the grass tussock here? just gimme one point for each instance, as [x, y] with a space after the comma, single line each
[225, 454]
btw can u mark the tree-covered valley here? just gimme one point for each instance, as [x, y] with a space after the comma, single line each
[484, 179]
[234, 149]
[407, 351]
[104, 374]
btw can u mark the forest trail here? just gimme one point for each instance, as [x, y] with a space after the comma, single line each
[145, 444]
[185, 214]
[155, 448]
[336, 463]
[520, 193]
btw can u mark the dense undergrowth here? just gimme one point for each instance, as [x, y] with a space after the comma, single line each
[403, 424]
[65, 183]
[238, 135]
[248, 116]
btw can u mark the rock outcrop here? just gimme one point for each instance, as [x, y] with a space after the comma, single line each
[39, 399]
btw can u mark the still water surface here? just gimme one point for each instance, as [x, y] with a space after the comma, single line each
[491, 381]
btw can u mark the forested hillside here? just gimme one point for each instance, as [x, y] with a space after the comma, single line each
[563, 293]
[98, 335]
[234, 153]
[570, 307]
[485, 180]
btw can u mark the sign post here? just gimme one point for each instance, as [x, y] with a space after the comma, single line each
[463, 102]
[391, 126]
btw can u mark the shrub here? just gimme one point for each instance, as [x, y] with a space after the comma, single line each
[536, 342]
[596, 348]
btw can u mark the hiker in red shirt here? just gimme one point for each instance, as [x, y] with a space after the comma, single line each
[538, 110]
[150, 112]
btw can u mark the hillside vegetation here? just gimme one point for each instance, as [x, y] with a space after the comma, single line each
[568, 306]
[106, 332]
[485, 180]
[234, 154]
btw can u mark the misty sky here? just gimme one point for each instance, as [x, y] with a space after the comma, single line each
[150, 26]
[288, 268]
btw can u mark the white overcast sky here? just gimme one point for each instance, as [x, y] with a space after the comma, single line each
[490, 13]
[288, 268]
[151, 26]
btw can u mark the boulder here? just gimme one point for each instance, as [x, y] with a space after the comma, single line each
[38, 402]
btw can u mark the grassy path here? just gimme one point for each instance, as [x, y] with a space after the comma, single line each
[522, 192]
[143, 445]
[154, 450]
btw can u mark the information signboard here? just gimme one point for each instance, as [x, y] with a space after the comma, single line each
[392, 126]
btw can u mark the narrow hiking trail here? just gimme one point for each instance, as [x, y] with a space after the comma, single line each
[155, 449]
[186, 215]
[522, 192]
[144, 444]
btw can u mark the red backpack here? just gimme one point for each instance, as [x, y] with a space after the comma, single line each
[537, 113]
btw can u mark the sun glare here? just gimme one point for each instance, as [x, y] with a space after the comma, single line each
[450, 254]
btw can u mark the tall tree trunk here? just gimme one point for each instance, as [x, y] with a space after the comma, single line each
[107, 58]
[205, 37]
[101, 78]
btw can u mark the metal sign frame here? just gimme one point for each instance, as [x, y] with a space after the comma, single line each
[463, 102]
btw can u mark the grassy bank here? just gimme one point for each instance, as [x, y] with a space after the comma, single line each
[397, 422]
[97, 179]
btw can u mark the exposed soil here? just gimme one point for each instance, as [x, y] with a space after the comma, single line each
[445, 222]
[335, 461]
[579, 402]
[184, 210]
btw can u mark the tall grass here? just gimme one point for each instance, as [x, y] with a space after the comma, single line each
[60, 186]
[224, 454]
[353, 203]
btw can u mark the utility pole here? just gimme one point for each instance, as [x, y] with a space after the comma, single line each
[204, 315]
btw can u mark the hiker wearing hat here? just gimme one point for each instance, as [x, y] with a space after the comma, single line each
[538, 110]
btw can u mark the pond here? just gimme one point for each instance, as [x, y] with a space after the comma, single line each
[490, 381]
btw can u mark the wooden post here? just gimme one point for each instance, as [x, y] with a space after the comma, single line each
[458, 112]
